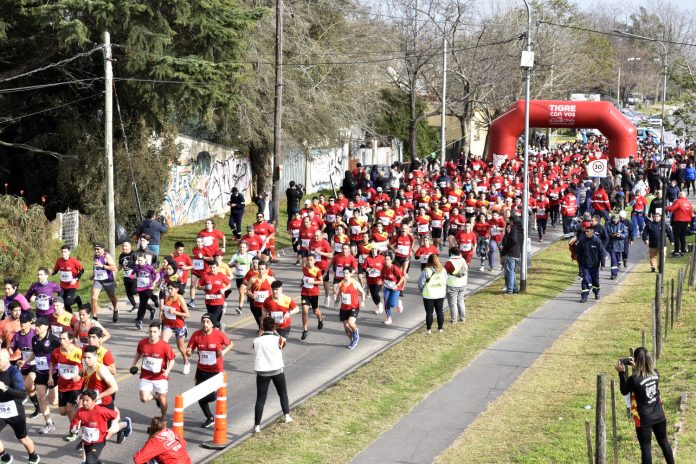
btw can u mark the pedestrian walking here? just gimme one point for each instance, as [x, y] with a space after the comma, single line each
[269, 367]
[154, 229]
[652, 237]
[618, 235]
[590, 254]
[512, 251]
[237, 204]
[646, 404]
[682, 212]
[432, 284]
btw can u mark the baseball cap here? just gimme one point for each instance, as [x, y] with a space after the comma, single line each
[307, 202]
[206, 316]
[99, 245]
[59, 299]
[26, 316]
[379, 189]
[42, 321]
[218, 253]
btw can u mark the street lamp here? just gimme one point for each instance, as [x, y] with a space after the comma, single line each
[527, 63]
[665, 168]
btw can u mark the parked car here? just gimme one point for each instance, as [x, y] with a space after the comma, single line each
[655, 120]
[649, 133]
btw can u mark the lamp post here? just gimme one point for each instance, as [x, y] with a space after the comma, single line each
[527, 63]
[665, 171]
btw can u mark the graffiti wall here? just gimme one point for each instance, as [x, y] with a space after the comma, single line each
[327, 165]
[201, 181]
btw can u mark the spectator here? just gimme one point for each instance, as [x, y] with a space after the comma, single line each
[652, 237]
[512, 251]
[266, 207]
[293, 194]
[154, 229]
[433, 286]
[682, 212]
[237, 203]
[163, 446]
[457, 272]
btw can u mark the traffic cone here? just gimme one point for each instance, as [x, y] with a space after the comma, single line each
[220, 427]
[178, 420]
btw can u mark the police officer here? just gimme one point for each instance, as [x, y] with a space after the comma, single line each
[236, 204]
[590, 253]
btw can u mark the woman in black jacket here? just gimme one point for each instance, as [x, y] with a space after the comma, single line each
[646, 405]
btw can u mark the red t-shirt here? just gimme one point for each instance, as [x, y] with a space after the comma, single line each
[350, 299]
[391, 277]
[69, 269]
[213, 285]
[69, 367]
[279, 310]
[373, 268]
[422, 225]
[322, 262]
[497, 229]
[93, 423]
[423, 253]
[209, 347]
[200, 265]
[402, 245]
[340, 262]
[211, 239]
[182, 260]
[308, 275]
[263, 230]
[482, 229]
[169, 318]
[155, 357]
[466, 241]
[255, 243]
[306, 236]
[261, 289]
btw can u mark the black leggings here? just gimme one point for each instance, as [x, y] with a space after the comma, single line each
[262, 383]
[131, 290]
[70, 297]
[644, 436]
[690, 186]
[679, 229]
[376, 293]
[143, 305]
[204, 403]
[436, 305]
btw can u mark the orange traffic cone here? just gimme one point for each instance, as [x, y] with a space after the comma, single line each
[178, 421]
[220, 427]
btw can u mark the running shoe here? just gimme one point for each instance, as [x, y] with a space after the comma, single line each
[304, 334]
[356, 335]
[71, 437]
[239, 310]
[129, 427]
[288, 419]
[139, 324]
[47, 429]
[208, 423]
[36, 459]
[320, 324]
[6, 458]
[388, 321]
[133, 309]
[428, 331]
[187, 369]
[191, 304]
[114, 318]
[152, 314]
[380, 308]
[400, 307]
[224, 308]
[257, 429]
[481, 269]
[35, 413]
[351, 345]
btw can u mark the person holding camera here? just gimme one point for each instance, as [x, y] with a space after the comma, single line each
[646, 404]
[154, 229]
[294, 194]
[163, 446]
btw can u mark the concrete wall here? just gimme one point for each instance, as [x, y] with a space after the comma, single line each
[201, 181]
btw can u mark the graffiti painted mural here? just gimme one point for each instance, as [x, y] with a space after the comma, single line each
[202, 180]
[327, 165]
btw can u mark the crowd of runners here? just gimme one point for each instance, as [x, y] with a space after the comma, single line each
[354, 248]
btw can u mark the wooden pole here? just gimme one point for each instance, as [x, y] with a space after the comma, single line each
[643, 340]
[588, 437]
[278, 158]
[680, 290]
[668, 301]
[601, 422]
[658, 317]
[614, 437]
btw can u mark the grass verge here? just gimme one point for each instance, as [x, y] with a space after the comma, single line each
[340, 422]
[540, 419]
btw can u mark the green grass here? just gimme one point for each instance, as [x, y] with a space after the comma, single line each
[540, 419]
[340, 422]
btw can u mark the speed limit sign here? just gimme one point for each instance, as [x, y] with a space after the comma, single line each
[597, 168]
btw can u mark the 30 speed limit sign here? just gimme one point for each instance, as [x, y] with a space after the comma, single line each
[597, 168]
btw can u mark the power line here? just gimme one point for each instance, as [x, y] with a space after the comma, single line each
[53, 84]
[9, 120]
[616, 34]
[52, 65]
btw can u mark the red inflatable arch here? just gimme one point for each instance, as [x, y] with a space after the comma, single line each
[620, 132]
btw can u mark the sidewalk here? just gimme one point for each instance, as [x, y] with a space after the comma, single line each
[437, 421]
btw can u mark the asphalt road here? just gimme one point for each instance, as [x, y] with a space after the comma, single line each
[311, 366]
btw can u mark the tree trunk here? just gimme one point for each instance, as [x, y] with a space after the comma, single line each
[261, 159]
[413, 123]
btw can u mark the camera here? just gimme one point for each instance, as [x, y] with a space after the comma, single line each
[627, 361]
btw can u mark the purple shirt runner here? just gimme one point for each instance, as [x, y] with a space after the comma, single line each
[45, 293]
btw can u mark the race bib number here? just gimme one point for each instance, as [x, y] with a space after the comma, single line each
[67, 371]
[153, 365]
[308, 282]
[42, 303]
[304, 242]
[465, 246]
[385, 220]
[422, 228]
[361, 259]
[90, 434]
[239, 272]
[207, 358]
[66, 276]
[403, 249]
[495, 231]
[452, 199]
[346, 299]
[260, 296]
[143, 281]
[212, 296]
[278, 316]
[26, 354]
[374, 273]
[338, 247]
[129, 272]
[390, 284]
[295, 233]
[355, 230]
[56, 330]
[436, 224]
[541, 212]
[198, 264]
[317, 257]
[207, 241]
[658, 211]
[169, 312]
[424, 258]
[330, 218]
[41, 363]
[8, 409]
[339, 271]
[100, 274]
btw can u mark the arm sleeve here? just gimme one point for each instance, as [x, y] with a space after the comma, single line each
[151, 449]
[624, 385]
[16, 388]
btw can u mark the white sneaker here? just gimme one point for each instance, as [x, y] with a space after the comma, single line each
[288, 419]
[224, 308]
[400, 307]
[380, 308]
[47, 429]
[257, 429]
[187, 369]
[481, 269]
[388, 321]
[327, 301]
[428, 331]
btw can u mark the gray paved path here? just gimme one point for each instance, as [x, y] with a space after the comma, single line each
[437, 421]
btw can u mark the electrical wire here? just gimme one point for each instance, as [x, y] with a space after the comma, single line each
[53, 84]
[616, 34]
[53, 65]
[10, 120]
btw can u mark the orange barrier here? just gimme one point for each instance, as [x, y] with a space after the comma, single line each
[220, 427]
[178, 420]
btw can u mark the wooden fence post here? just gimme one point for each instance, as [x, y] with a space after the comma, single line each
[657, 315]
[614, 437]
[588, 437]
[692, 267]
[667, 306]
[680, 290]
[601, 422]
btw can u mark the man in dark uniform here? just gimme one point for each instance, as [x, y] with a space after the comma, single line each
[590, 253]
[236, 204]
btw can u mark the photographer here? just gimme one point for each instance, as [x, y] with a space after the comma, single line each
[646, 405]
[163, 446]
[294, 194]
[154, 229]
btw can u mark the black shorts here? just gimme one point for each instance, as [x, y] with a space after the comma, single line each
[312, 301]
[345, 314]
[436, 232]
[42, 378]
[304, 253]
[325, 275]
[399, 261]
[285, 333]
[68, 397]
[239, 282]
[18, 423]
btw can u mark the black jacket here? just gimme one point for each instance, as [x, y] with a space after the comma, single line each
[239, 203]
[651, 233]
[590, 252]
[512, 241]
[153, 228]
[646, 392]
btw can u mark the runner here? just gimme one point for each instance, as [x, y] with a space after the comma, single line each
[437, 219]
[84, 323]
[322, 252]
[311, 279]
[215, 284]
[465, 240]
[339, 263]
[67, 361]
[373, 266]
[402, 246]
[294, 224]
[495, 243]
[266, 233]
[103, 277]
[254, 242]
[21, 350]
[11, 410]
[184, 264]
[212, 237]
[201, 257]
[258, 289]
[98, 378]
[70, 272]
[104, 356]
[92, 421]
[393, 280]
[352, 298]
[482, 229]
[173, 315]
[42, 293]
[126, 262]
[240, 262]
[10, 325]
[43, 344]
[424, 251]
[163, 446]
[12, 295]
[212, 345]
[146, 276]
[280, 307]
[158, 360]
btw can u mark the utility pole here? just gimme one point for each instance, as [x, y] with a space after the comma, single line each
[443, 147]
[618, 89]
[278, 112]
[109, 146]
[527, 63]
